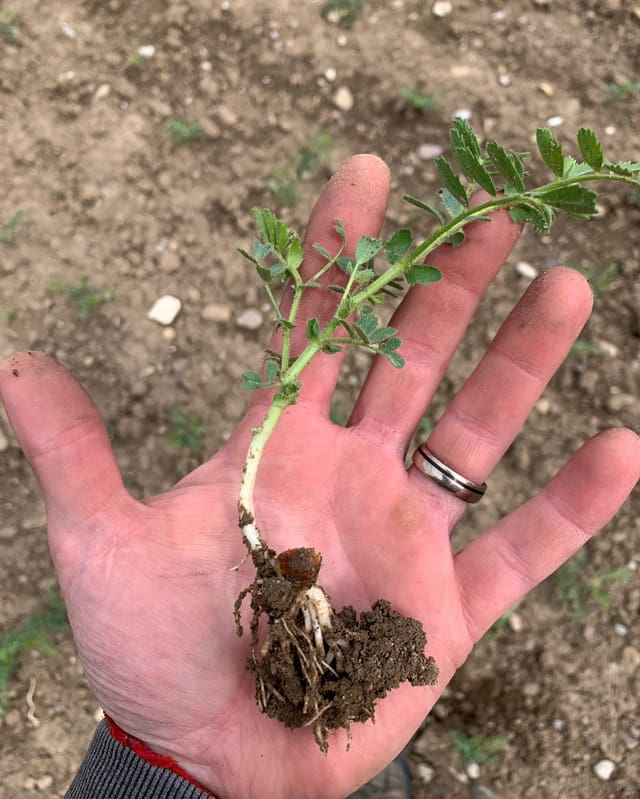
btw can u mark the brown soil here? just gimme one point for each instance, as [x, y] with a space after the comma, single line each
[105, 194]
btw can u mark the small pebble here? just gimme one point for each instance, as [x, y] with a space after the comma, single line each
[341, 40]
[98, 714]
[629, 742]
[44, 783]
[169, 333]
[473, 770]
[462, 113]
[504, 80]
[621, 630]
[554, 122]
[442, 8]
[558, 725]
[330, 74]
[546, 88]
[428, 151]
[525, 269]
[251, 319]
[102, 91]
[165, 309]
[11, 531]
[516, 623]
[216, 312]
[425, 773]
[604, 769]
[343, 98]
[610, 130]
[68, 31]
[147, 51]
[499, 15]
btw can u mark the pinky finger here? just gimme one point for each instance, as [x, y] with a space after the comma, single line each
[522, 549]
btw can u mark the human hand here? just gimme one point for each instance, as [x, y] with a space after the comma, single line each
[148, 584]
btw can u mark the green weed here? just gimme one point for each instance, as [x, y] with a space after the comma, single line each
[8, 315]
[86, 297]
[34, 633]
[8, 231]
[600, 277]
[620, 91]
[342, 12]
[420, 102]
[8, 28]
[184, 431]
[575, 588]
[309, 160]
[584, 347]
[480, 749]
[181, 132]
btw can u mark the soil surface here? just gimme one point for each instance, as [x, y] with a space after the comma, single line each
[105, 194]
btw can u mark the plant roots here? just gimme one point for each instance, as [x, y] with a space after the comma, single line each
[318, 668]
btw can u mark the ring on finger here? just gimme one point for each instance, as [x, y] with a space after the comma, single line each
[446, 477]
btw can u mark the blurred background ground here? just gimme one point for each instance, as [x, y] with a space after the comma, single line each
[105, 207]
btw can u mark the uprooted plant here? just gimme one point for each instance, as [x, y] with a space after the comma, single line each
[318, 667]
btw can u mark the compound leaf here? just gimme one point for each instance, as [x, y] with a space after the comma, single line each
[574, 200]
[251, 381]
[508, 165]
[473, 169]
[409, 198]
[463, 137]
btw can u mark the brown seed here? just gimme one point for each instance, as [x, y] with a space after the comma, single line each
[15, 372]
[300, 565]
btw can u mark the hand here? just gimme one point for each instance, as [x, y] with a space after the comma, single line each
[148, 584]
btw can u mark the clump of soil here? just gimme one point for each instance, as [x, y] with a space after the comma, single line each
[317, 667]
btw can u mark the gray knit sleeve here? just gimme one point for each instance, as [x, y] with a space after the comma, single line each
[111, 770]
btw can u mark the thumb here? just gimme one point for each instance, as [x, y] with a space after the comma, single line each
[64, 439]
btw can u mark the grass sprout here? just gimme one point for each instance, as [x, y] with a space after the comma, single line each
[84, 295]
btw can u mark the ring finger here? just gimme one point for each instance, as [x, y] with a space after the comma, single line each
[487, 413]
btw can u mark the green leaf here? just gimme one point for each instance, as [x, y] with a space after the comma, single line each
[368, 322]
[395, 359]
[313, 329]
[590, 148]
[572, 169]
[574, 200]
[367, 248]
[473, 169]
[364, 275]
[398, 245]
[550, 150]
[336, 288]
[451, 180]
[339, 228]
[295, 254]
[463, 137]
[277, 270]
[331, 349]
[261, 249]
[456, 239]
[423, 207]
[322, 250]
[271, 371]
[251, 381]
[526, 213]
[508, 165]
[247, 255]
[451, 204]
[346, 264]
[626, 168]
[381, 334]
[422, 275]
[265, 274]
[390, 345]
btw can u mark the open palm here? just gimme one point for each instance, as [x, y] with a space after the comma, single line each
[149, 585]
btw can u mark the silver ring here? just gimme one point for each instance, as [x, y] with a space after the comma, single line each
[445, 476]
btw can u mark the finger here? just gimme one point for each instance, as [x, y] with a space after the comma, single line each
[63, 437]
[431, 320]
[357, 194]
[493, 404]
[497, 569]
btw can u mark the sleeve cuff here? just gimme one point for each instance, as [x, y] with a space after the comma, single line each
[111, 770]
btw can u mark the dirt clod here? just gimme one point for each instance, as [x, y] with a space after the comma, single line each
[334, 678]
